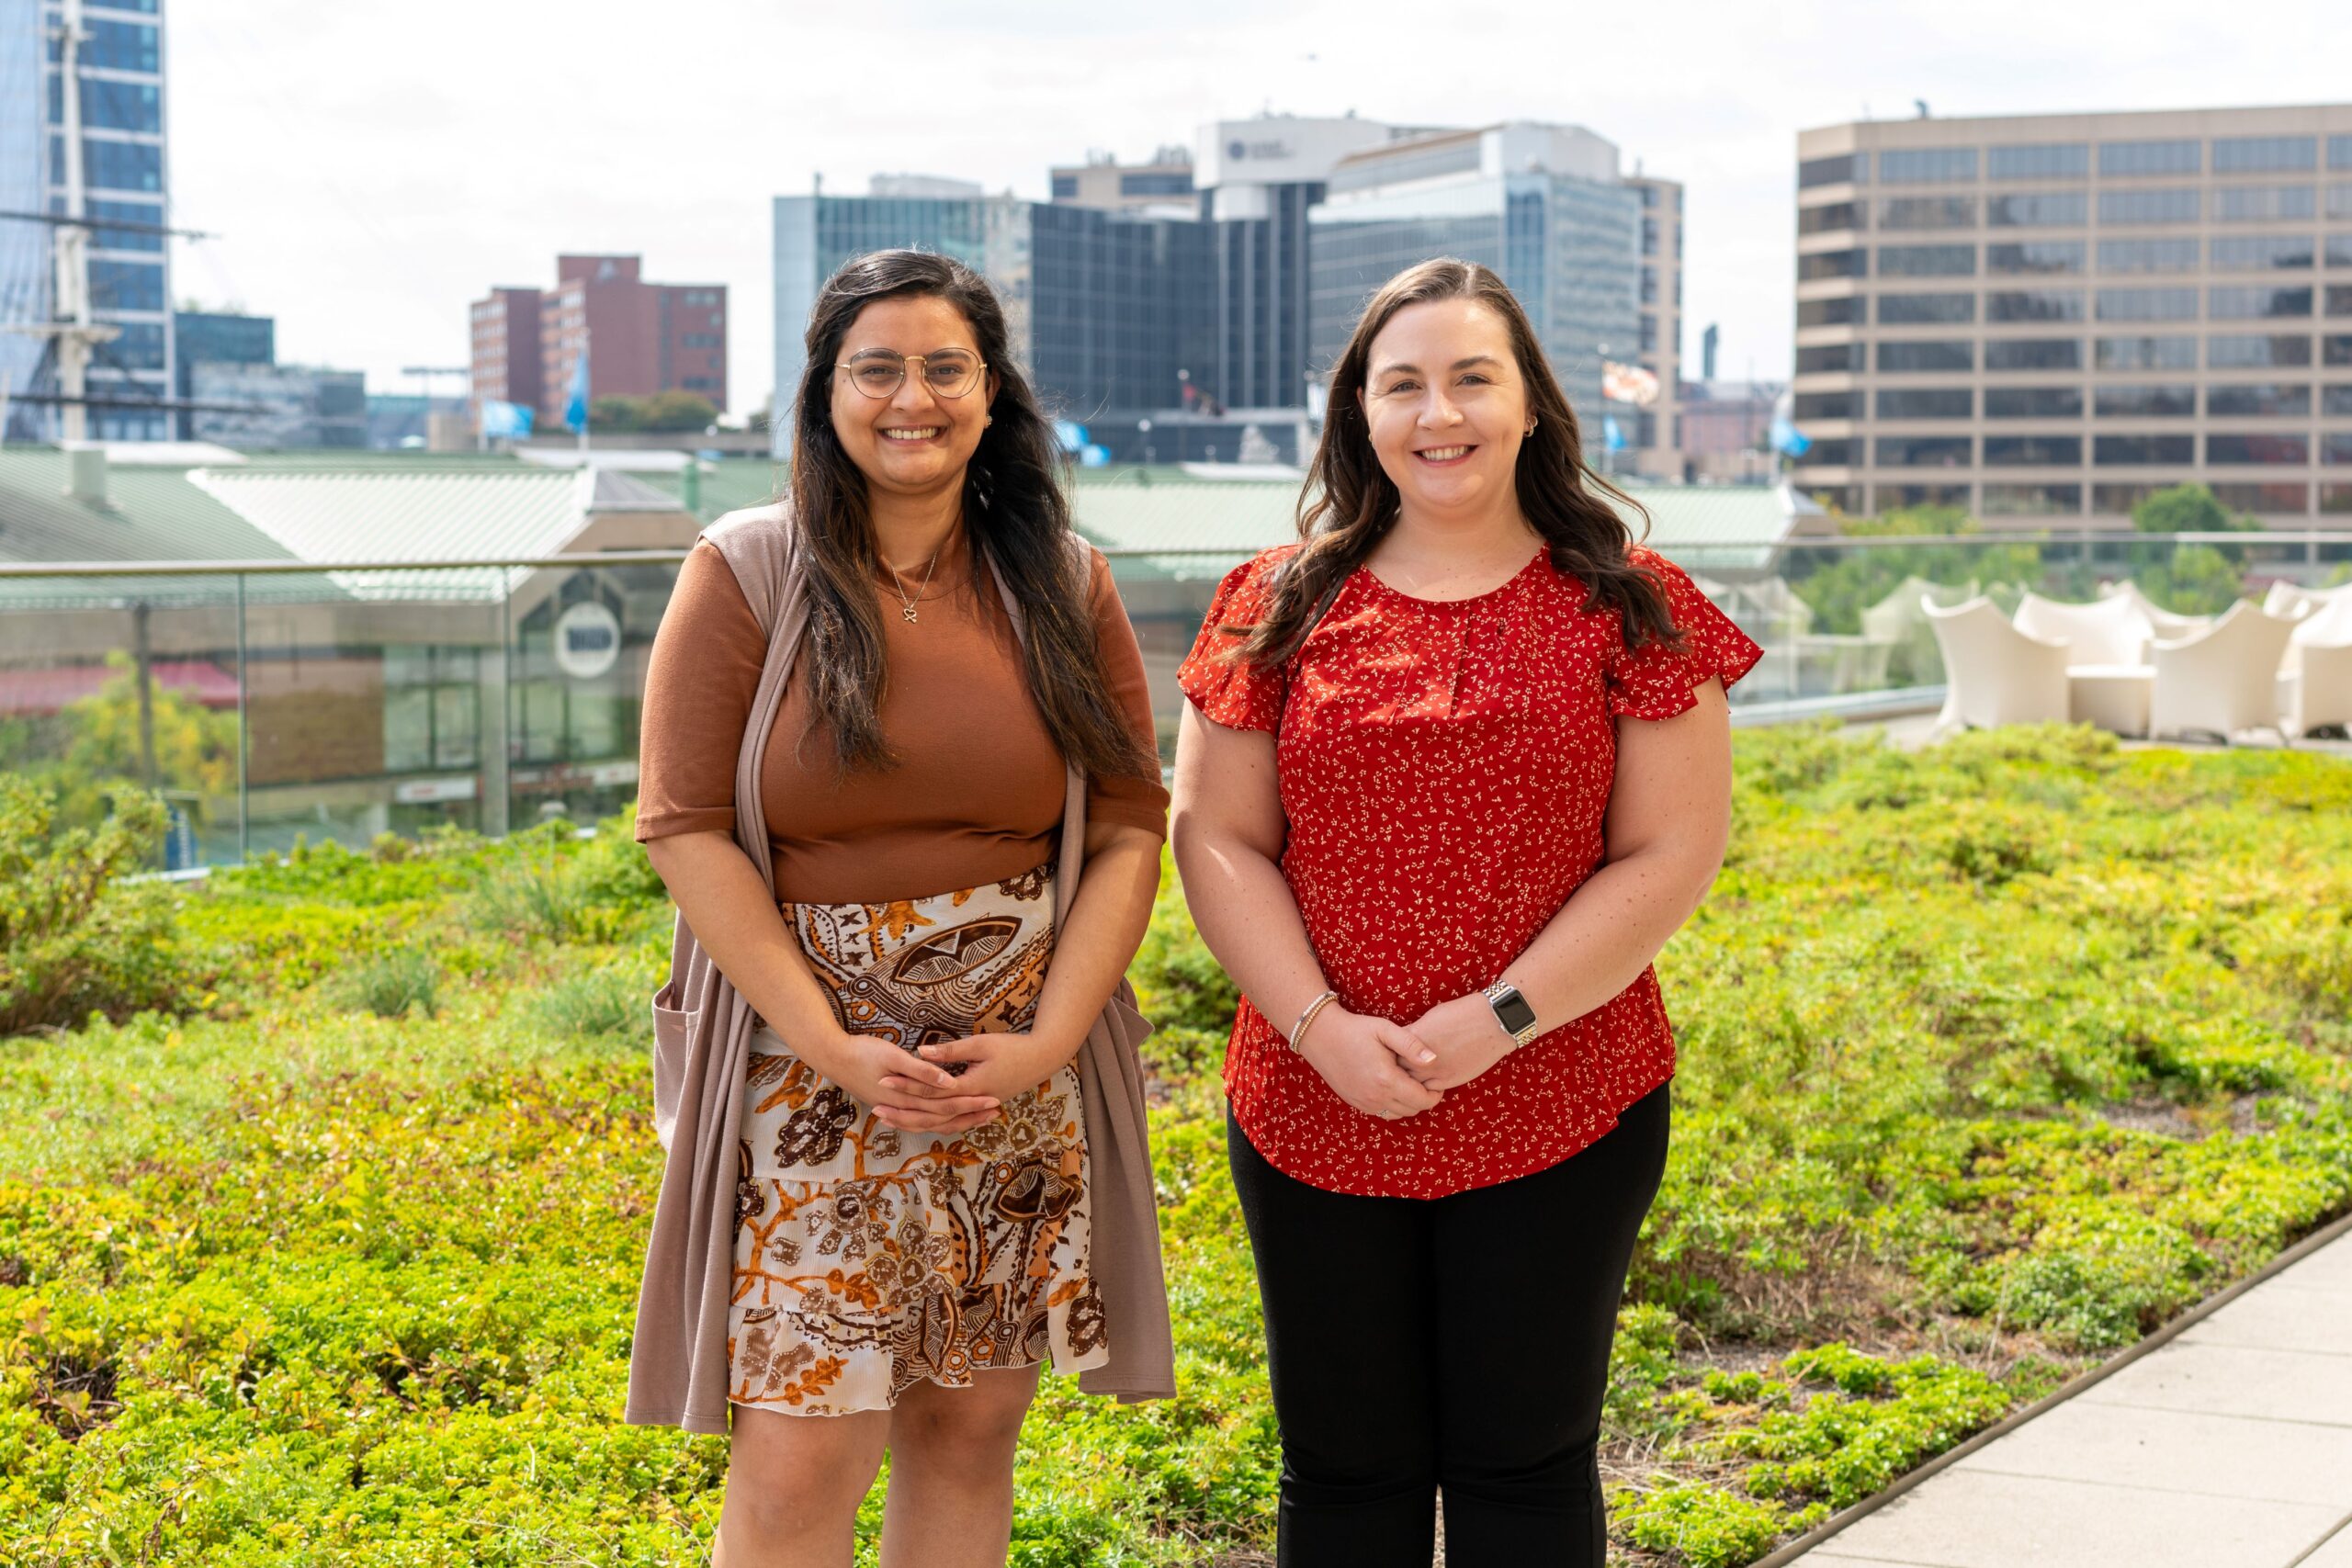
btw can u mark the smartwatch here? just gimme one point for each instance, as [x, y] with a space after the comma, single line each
[1511, 1011]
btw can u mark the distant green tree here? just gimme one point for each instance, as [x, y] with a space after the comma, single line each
[678, 410]
[2187, 509]
[616, 414]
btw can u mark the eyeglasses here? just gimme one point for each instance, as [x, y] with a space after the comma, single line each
[950, 373]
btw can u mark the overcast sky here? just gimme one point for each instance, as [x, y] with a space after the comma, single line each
[367, 170]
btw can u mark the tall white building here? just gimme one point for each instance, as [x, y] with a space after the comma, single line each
[2045, 318]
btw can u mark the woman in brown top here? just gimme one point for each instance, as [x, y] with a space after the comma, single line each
[912, 1222]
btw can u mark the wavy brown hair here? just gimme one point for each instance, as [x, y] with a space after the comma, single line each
[1349, 503]
[1014, 506]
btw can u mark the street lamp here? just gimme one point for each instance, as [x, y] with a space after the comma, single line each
[1143, 428]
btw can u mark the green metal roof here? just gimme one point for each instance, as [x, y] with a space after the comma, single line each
[1725, 528]
[152, 514]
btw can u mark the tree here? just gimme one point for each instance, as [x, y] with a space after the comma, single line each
[2187, 509]
[679, 410]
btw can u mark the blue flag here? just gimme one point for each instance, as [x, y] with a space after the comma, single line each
[505, 420]
[1612, 434]
[575, 408]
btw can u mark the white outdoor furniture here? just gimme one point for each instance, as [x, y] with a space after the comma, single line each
[2162, 622]
[2222, 680]
[2315, 677]
[1996, 674]
[2107, 674]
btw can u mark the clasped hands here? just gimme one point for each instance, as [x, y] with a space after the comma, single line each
[1394, 1070]
[917, 1093]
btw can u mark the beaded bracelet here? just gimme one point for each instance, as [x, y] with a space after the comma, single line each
[1306, 1016]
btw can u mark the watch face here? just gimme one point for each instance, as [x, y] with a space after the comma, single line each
[1512, 1009]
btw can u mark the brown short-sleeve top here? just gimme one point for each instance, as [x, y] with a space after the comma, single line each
[976, 794]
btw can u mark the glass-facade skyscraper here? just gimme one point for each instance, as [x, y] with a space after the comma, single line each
[1541, 205]
[1104, 307]
[124, 170]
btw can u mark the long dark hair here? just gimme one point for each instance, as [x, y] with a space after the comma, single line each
[1350, 503]
[1013, 505]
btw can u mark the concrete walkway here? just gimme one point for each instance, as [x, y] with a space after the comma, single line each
[2229, 1447]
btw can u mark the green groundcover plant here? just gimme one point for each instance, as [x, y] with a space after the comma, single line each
[1995, 1057]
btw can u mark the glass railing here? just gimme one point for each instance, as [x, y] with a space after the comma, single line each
[269, 703]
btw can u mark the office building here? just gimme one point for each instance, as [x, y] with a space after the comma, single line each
[1102, 180]
[280, 408]
[216, 337]
[2046, 318]
[1656, 438]
[1104, 307]
[119, 88]
[1542, 205]
[507, 362]
[640, 337]
[1261, 179]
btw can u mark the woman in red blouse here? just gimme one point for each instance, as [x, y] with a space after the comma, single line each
[1455, 768]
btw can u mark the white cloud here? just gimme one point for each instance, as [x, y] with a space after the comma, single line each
[371, 170]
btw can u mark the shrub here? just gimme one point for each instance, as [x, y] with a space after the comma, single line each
[75, 937]
[392, 985]
[594, 1004]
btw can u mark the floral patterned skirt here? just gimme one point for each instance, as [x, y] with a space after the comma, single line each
[867, 1258]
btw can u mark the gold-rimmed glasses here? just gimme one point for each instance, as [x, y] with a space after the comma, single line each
[947, 373]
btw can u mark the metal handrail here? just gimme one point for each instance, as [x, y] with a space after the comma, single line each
[1137, 552]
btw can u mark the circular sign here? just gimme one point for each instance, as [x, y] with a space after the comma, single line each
[587, 640]
[1237, 151]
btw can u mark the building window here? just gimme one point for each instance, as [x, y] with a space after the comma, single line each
[2249, 353]
[1842, 169]
[1818, 264]
[2339, 202]
[126, 286]
[2335, 446]
[2259, 400]
[1927, 261]
[126, 239]
[1835, 453]
[2132, 451]
[1923, 451]
[2335, 349]
[2032, 501]
[1844, 310]
[1155, 183]
[2238, 303]
[2120, 498]
[2259, 252]
[1829, 357]
[1917, 310]
[1822, 405]
[2147, 304]
[2179, 157]
[2264, 154]
[2155, 401]
[1830, 218]
[1649, 236]
[2035, 256]
[1926, 212]
[2034, 354]
[1926, 402]
[2267, 446]
[2166, 206]
[2033, 451]
[2336, 402]
[1927, 165]
[2034, 305]
[2053, 160]
[2339, 151]
[2033, 402]
[2274, 496]
[1650, 286]
[2265, 204]
[2147, 255]
[1933, 355]
[2147, 354]
[2039, 210]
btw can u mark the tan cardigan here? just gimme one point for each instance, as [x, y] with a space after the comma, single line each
[702, 1031]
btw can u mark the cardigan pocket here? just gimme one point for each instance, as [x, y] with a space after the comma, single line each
[673, 1033]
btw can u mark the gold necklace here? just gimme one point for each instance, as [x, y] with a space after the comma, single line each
[898, 584]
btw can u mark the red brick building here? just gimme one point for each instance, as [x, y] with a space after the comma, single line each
[642, 337]
[506, 348]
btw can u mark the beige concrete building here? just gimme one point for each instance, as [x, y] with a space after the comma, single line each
[1657, 440]
[1102, 181]
[2045, 318]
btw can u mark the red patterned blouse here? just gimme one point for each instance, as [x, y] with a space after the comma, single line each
[1444, 768]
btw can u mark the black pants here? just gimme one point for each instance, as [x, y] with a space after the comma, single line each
[1457, 1345]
